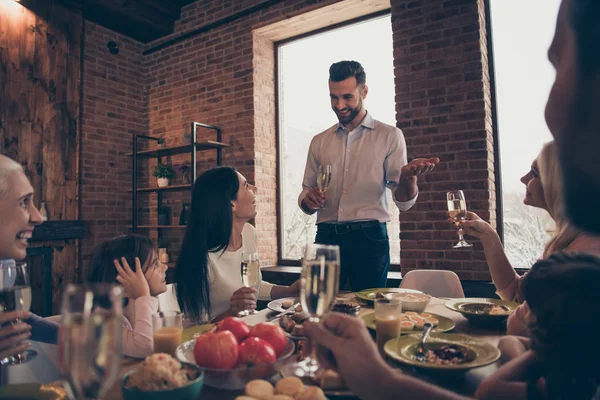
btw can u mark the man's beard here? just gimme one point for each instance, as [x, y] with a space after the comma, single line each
[353, 112]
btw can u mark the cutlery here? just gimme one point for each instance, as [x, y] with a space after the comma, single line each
[420, 354]
[288, 311]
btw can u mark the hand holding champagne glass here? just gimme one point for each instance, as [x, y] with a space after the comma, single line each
[90, 339]
[323, 179]
[457, 210]
[319, 288]
[15, 295]
[250, 271]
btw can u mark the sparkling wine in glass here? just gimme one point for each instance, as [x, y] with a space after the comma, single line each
[250, 271]
[323, 178]
[319, 288]
[90, 339]
[15, 295]
[457, 210]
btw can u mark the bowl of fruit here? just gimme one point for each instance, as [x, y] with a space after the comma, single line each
[233, 354]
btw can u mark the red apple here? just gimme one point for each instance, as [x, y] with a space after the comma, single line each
[216, 350]
[272, 333]
[236, 326]
[256, 351]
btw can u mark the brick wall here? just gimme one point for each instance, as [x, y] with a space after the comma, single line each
[443, 107]
[115, 108]
[226, 77]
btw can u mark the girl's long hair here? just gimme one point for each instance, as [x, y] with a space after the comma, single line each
[208, 230]
[562, 293]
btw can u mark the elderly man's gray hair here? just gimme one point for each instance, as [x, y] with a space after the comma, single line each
[7, 167]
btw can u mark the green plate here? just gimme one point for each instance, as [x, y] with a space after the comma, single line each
[461, 306]
[446, 324]
[368, 295]
[481, 353]
[188, 334]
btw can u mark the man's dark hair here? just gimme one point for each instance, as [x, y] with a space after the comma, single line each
[342, 70]
[580, 170]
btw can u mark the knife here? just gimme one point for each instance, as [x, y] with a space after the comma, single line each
[290, 310]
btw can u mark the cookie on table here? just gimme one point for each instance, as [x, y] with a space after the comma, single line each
[260, 389]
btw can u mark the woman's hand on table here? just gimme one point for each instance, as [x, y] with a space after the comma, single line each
[351, 351]
[242, 299]
[13, 335]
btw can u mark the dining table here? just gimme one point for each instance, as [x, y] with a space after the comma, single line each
[44, 369]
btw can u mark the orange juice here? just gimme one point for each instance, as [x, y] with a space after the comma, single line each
[387, 327]
[166, 340]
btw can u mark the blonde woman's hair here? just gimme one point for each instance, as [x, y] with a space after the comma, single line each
[550, 175]
[7, 167]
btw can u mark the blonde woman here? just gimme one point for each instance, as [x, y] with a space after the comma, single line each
[543, 190]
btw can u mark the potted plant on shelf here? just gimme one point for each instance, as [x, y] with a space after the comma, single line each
[162, 173]
[162, 243]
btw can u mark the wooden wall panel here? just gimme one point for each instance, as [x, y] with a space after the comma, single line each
[40, 80]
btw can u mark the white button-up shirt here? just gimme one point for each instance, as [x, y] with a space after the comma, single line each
[363, 162]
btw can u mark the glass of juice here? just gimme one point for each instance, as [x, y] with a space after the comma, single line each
[168, 326]
[387, 320]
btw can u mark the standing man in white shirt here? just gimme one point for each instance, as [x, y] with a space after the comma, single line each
[366, 156]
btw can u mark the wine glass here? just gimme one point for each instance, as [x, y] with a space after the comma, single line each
[90, 339]
[323, 179]
[457, 210]
[15, 295]
[319, 288]
[250, 271]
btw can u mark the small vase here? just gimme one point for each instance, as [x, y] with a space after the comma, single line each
[163, 256]
[162, 182]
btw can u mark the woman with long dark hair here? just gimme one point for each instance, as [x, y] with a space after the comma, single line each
[207, 276]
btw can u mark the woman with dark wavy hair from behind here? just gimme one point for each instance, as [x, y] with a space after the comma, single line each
[563, 296]
[207, 276]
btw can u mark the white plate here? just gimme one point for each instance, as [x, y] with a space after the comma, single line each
[275, 305]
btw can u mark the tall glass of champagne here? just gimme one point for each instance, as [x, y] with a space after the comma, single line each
[250, 272]
[319, 288]
[90, 339]
[15, 295]
[457, 210]
[323, 178]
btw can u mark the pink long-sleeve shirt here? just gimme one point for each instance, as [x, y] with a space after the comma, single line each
[137, 326]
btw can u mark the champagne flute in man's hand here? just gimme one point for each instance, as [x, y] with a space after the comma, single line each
[323, 178]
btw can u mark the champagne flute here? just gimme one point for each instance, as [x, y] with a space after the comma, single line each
[15, 295]
[457, 210]
[90, 339]
[250, 271]
[318, 291]
[323, 179]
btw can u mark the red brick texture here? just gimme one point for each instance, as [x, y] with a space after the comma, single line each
[226, 77]
[443, 106]
[115, 108]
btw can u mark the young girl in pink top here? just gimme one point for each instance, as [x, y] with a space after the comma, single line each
[132, 261]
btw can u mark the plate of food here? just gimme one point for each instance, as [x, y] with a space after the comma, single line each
[413, 321]
[189, 333]
[283, 304]
[369, 295]
[483, 310]
[444, 351]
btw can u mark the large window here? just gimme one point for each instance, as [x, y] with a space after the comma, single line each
[304, 111]
[522, 32]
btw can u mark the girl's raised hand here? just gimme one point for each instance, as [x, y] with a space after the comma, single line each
[134, 283]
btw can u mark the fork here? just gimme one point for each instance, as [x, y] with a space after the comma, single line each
[420, 354]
